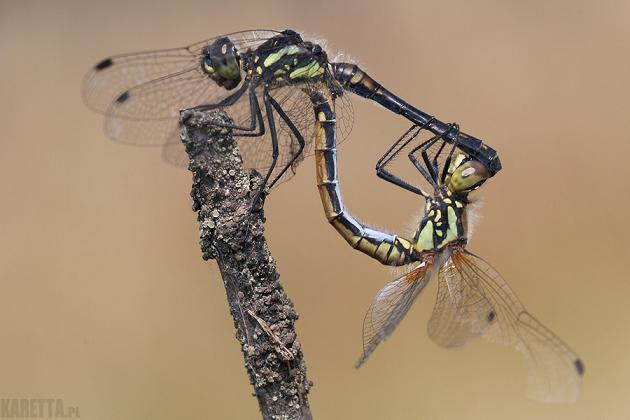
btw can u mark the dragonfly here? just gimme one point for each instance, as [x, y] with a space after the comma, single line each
[473, 300]
[261, 78]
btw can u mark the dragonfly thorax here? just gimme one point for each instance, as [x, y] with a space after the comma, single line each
[442, 222]
[287, 58]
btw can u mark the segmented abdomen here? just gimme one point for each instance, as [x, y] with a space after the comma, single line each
[386, 248]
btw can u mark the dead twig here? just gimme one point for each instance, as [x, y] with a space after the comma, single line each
[232, 233]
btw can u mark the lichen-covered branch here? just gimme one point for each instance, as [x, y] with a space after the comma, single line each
[232, 233]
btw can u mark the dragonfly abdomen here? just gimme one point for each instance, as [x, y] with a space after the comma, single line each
[388, 249]
[355, 80]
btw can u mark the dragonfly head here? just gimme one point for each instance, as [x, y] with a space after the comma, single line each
[465, 175]
[221, 61]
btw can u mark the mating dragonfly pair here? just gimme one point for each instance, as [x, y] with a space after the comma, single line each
[270, 83]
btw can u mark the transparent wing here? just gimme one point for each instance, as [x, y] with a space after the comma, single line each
[140, 93]
[173, 151]
[298, 106]
[142, 133]
[163, 98]
[461, 312]
[109, 78]
[390, 306]
[481, 303]
[257, 151]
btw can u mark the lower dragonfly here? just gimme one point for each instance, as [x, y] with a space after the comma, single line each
[260, 78]
[473, 300]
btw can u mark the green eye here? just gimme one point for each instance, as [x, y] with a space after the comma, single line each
[468, 176]
[207, 65]
[221, 62]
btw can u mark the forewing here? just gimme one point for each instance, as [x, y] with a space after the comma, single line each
[139, 92]
[115, 75]
[554, 370]
[109, 78]
[390, 306]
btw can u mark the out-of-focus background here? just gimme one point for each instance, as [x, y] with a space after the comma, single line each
[106, 303]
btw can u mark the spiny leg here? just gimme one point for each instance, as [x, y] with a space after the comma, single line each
[295, 132]
[391, 153]
[447, 161]
[427, 170]
[255, 114]
[437, 155]
[432, 167]
[274, 144]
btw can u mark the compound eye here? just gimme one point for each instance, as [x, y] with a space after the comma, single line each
[207, 65]
[468, 176]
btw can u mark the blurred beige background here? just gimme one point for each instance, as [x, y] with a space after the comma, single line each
[106, 303]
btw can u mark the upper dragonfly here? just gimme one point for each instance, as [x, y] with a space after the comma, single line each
[261, 79]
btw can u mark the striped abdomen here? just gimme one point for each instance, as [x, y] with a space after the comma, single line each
[355, 80]
[387, 248]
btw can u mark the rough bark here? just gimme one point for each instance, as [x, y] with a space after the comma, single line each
[232, 233]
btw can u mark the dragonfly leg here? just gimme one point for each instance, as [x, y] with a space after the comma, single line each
[390, 154]
[447, 162]
[427, 171]
[435, 162]
[274, 144]
[255, 114]
[432, 167]
[295, 132]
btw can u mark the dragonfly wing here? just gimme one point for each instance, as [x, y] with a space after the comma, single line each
[300, 109]
[113, 76]
[344, 110]
[108, 79]
[390, 306]
[173, 151]
[138, 115]
[554, 370]
[461, 312]
[134, 90]
[256, 151]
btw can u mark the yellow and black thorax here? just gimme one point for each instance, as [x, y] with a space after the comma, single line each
[289, 59]
[443, 221]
